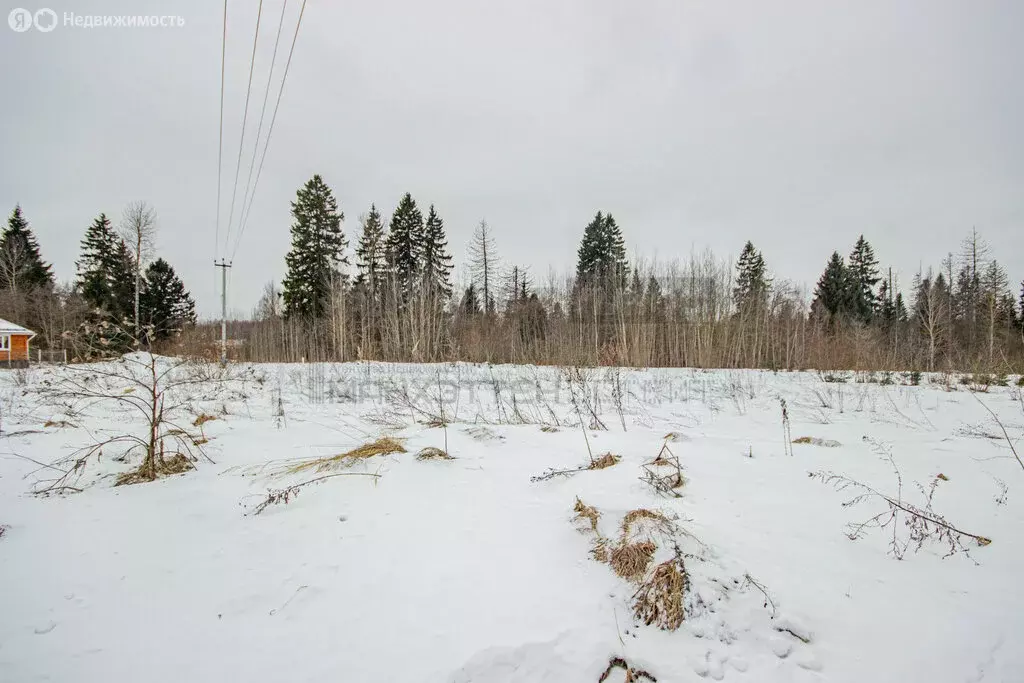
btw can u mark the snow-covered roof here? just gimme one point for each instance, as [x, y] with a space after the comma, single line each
[7, 327]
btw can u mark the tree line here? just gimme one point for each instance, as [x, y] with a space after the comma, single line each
[395, 300]
[122, 296]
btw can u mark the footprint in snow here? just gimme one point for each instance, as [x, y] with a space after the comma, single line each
[43, 630]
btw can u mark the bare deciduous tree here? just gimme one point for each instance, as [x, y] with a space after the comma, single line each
[483, 263]
[138, 229]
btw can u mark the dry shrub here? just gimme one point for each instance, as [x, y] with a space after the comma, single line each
[385, 445]
[586, 512]
[431, 453]
[815, 441]
[665, 484]
[178, 463]
[603, 462]
[630, 560]
[659, 600]
[632, 675]
[202, 419]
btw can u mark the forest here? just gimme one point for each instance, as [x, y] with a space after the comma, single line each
[385, 291]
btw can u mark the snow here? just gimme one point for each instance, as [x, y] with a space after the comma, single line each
[466, 570]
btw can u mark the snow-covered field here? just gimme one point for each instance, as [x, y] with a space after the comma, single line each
[468, 570]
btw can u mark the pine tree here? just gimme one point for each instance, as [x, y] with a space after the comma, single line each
[317, 252]
[832, 293]
[863, 272]
[165, 305]
[602, 253]
[435, 261]
[402, 246]
[752, 283]
[21, 267]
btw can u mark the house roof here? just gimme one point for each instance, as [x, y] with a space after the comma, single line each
[7, 327]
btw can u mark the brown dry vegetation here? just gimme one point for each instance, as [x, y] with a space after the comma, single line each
[432, 453]
[659, 600]
[385, 445]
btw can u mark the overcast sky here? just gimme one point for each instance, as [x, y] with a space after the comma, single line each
[798, 125]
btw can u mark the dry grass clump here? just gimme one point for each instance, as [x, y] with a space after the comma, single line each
[586, 512]
[385, 445]
[673, 436]
[178, 463]
[202, 419]
[815, 441]
[603, 462]
[630, 560]
[59, 424]
[431, 453]
[600, 550]
[659, 600]
[632, 675]
[549, 429]
[633, 516]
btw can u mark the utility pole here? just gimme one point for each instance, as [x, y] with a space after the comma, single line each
[223, 265]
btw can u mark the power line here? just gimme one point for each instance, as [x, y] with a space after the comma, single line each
[220, 141]
[245, 118]
[263, 110]
[246, 213]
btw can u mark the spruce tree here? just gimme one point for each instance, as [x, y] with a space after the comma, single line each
[402, 246]
[371, 261]
[751, 290]
[470, 304]
[602, 252]
[832, 293]
[435, 262]
[122, 291]
[1020, 306]
[316, 254]
[863, 274]
[97, 267]
[21, 266]
[165, 305]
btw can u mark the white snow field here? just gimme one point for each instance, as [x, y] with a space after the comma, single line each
[466, 570]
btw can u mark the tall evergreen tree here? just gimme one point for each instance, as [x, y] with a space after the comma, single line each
[403, 243]
[1020, 306]
[602, 252]
[863, 273]
[21, 266]
[752, 283]
[470, 304]
[97, 267]
[832, 293]
[371, 261]
[435, 261]
[316, 255]
[165, 305]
